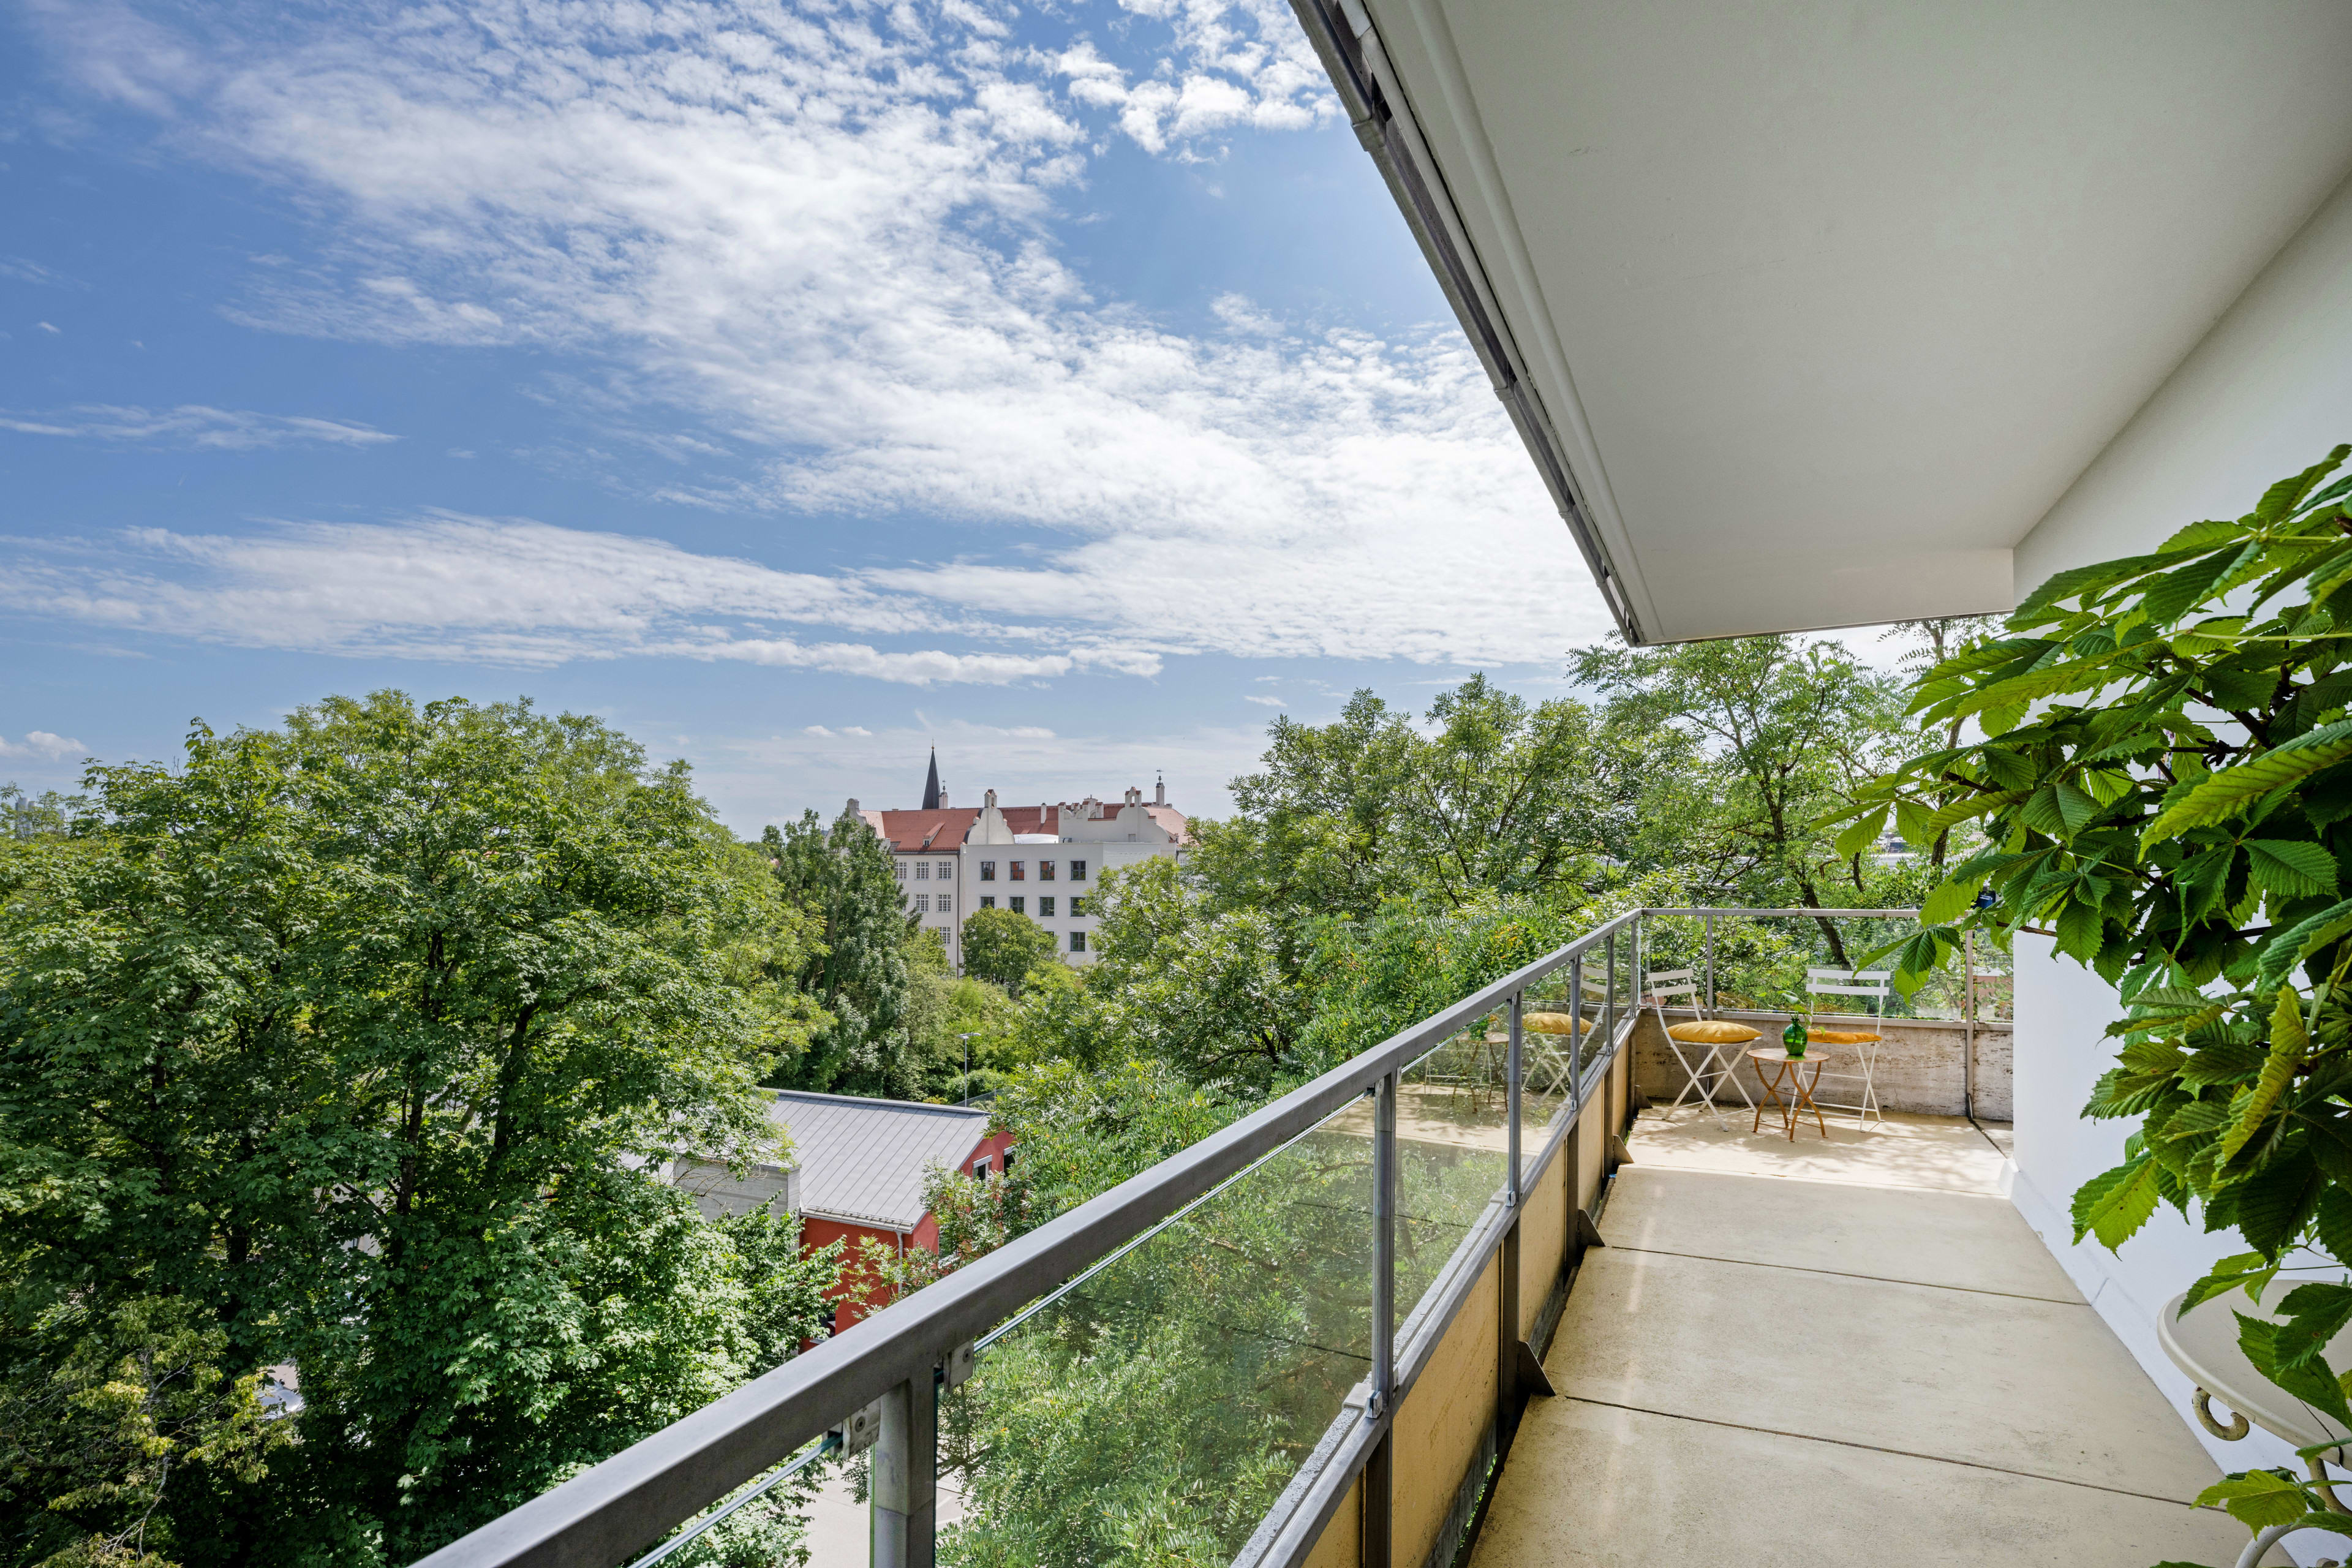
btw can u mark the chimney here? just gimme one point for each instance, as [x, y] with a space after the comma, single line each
[852, 805]
[1159, 791]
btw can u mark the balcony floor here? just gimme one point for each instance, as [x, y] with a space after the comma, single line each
[1855, 1352]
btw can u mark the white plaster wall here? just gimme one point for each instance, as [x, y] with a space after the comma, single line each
[2266, 393]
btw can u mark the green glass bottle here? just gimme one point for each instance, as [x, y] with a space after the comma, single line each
[1792, 1038]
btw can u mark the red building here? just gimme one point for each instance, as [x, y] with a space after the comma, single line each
[859, 1167]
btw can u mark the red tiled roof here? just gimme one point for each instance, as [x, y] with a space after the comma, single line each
[908, 830]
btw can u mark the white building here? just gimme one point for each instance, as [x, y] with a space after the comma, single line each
[1044, 861]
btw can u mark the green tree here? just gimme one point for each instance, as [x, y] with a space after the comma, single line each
[1502, 797]
[844, 876]
[102, 1413]
[1792, 731]
[1001, 947]
[368, 1036]
[951, 1018]
[2163, 768]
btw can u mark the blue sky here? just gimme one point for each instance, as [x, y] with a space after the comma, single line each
[796, 386]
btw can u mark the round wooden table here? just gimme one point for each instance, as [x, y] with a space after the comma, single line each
[1776, 1069]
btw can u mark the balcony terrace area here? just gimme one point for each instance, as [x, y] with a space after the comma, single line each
[1486, 1294]
[1841, 1350]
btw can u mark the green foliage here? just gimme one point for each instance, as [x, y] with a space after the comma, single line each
[843, 876]
[102, 1414]
[1500, 797]
[365, 1039]
[944, 1008]
[1001, 947]
[1791, 732]
[2164, 778]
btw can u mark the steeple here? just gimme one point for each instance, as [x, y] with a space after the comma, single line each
[932, 784]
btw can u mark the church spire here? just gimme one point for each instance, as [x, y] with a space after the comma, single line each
[932, 784]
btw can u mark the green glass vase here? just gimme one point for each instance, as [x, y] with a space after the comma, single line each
[1792, 1038]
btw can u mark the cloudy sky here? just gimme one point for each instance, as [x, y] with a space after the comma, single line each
[795, 385]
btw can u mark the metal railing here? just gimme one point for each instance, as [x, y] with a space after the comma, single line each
[877, 1387]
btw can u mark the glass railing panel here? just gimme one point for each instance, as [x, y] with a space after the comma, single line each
[1549, 1049]
[1155, 1409]
[1452, 1151]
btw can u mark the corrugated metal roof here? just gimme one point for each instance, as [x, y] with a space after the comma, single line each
[864, 1159]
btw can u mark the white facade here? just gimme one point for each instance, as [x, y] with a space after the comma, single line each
[1044, 861]
[2266, 393]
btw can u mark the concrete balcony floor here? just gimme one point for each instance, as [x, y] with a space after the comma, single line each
[1843, 1351]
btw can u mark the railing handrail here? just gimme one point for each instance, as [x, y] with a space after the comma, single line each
[608, 1512]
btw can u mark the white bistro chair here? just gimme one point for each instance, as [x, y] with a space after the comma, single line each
[1708, 1048]
[1870, 985]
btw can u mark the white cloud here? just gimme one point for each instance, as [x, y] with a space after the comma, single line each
[1264, 701]
[827, 239]
[192, 424]
[47, 328]
[42, 744]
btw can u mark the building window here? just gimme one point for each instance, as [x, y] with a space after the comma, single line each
[1021, 870]
[1019, 903]
[1044, 870]
[1077, 870]
[1078, 942]
[922, 871]
[944, 904]
[988, 870]
[1046, 907]
[980, 1168]
[987, 901]
[901, 868]
[922, 903]
[947, 870]
[1077, 907]
[1009, 1148]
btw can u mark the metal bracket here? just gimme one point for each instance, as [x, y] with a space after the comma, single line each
[962, 1362]
[858, 1433]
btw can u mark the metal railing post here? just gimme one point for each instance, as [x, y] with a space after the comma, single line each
[1576, 1029]
[1969, 1032]
[1609, 1000]
[1379, 1489]
[1507, 1281]
[1710, 964]
[1511, 1091]
[904, 1478]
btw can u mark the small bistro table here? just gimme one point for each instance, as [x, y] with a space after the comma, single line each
[1776, 1069]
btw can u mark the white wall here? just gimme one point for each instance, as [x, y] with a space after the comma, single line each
[2266, 393]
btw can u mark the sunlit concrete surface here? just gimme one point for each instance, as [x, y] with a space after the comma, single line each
[1850, 1350]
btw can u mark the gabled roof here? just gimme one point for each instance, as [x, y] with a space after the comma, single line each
[865, 1160]
[905, 831]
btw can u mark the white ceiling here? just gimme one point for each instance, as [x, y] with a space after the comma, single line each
[1827, 304]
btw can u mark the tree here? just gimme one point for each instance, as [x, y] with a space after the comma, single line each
[1001, 947]
[1793, 729]
[953, 1019]
[844, 876]
[1504, 798]
[100, 1412]
[367, 1038]
[2163, 773]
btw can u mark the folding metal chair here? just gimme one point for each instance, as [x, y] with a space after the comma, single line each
[1870, 984]
[1714, 1067]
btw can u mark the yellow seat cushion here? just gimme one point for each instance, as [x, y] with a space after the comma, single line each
[1549, 1022]
[1713, 1032]
[1840, 1036]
